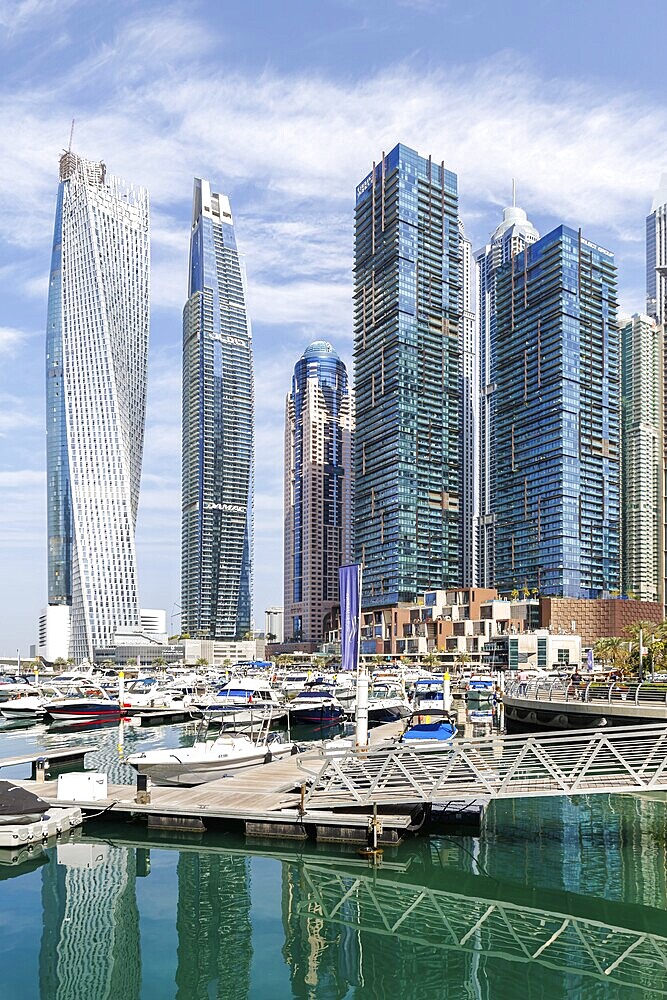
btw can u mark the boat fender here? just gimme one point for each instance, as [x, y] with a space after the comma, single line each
[294, 751]
[268, 757]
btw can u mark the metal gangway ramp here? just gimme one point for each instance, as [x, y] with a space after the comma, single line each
[623, 759]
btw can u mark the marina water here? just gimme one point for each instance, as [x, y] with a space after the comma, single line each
[559, 898]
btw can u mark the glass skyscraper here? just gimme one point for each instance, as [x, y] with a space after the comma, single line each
[407, 316]
[96, 356]
[555, 364]
[318, 489]
[641, 451]
[656, 256]
[218, 412]
[509, 238]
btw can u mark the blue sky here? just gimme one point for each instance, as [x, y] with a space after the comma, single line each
[283, 105]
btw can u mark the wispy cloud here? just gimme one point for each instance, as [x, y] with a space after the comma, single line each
[11, 339]
[31, 15]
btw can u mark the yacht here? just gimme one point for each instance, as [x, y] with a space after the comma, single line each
[316, 705]
[243, 702]
[13, 685]
[209, 760]
[31, 704]
[387, 702]
[480, 687]
[151, 694]
[81, 703]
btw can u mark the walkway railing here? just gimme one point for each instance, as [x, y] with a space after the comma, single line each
[622, 759]
[562, 690]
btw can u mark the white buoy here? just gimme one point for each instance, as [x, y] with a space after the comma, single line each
[446, 691]
[121, 689]
[361, 709]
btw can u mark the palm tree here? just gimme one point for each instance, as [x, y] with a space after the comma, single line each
[618, 653]
[201, 662]
[601, 650]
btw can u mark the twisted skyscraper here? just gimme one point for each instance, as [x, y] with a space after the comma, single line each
[96, 355]
[218, 409]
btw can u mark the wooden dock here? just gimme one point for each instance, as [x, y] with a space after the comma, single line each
[266, 801]
[43, 759]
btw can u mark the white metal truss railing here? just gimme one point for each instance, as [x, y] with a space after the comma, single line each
[438, 919]
[623, 759]
[561, 690]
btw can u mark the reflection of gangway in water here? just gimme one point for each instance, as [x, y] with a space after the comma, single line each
[622, 759]
[433, 918]
[608, 941]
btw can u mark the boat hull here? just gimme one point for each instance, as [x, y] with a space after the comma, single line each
[184, 770]
[81, 710]
[324, 715]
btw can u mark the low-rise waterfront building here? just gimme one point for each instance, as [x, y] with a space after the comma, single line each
[53, 633]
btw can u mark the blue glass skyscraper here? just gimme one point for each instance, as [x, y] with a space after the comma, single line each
[407, 316]
[318, 489]
[218, 412]
[555, 365]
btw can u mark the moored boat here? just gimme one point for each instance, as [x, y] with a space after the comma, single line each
[316, 706]
[84, 703]
[209, 760]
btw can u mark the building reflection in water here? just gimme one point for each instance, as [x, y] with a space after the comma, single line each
[214, 928]
[90, 940]
[558, 899]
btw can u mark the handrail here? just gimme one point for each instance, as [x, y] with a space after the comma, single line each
[589, 690]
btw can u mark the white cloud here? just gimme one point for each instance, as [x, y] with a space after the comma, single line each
[11, 340]
[22, 478]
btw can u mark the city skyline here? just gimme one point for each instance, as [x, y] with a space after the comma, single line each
[292, 196]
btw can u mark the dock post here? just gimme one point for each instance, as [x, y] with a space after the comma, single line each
[121, 690]
[143, 796]
[446, 691]
[361, 709]
[39, 769]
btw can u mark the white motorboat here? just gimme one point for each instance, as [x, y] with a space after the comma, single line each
[243, 702]
[387, 703]
[149, 693]
[13, 685]
[209, 760]
[31, 705]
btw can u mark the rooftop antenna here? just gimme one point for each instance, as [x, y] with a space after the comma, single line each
[513, 186]
[71, 134]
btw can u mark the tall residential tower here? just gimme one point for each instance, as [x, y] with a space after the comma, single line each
[512, 236]
[318, 490]
[656, 255]
[641, 457]
[96, 356]
[407, 316]
[218, 411]
[555, 366]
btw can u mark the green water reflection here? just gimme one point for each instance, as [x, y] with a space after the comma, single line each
[557, 899]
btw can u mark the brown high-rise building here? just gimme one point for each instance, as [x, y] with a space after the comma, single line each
[318, 490]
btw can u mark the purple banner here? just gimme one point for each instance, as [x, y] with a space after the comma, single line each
[348, 584]
[589, 659]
